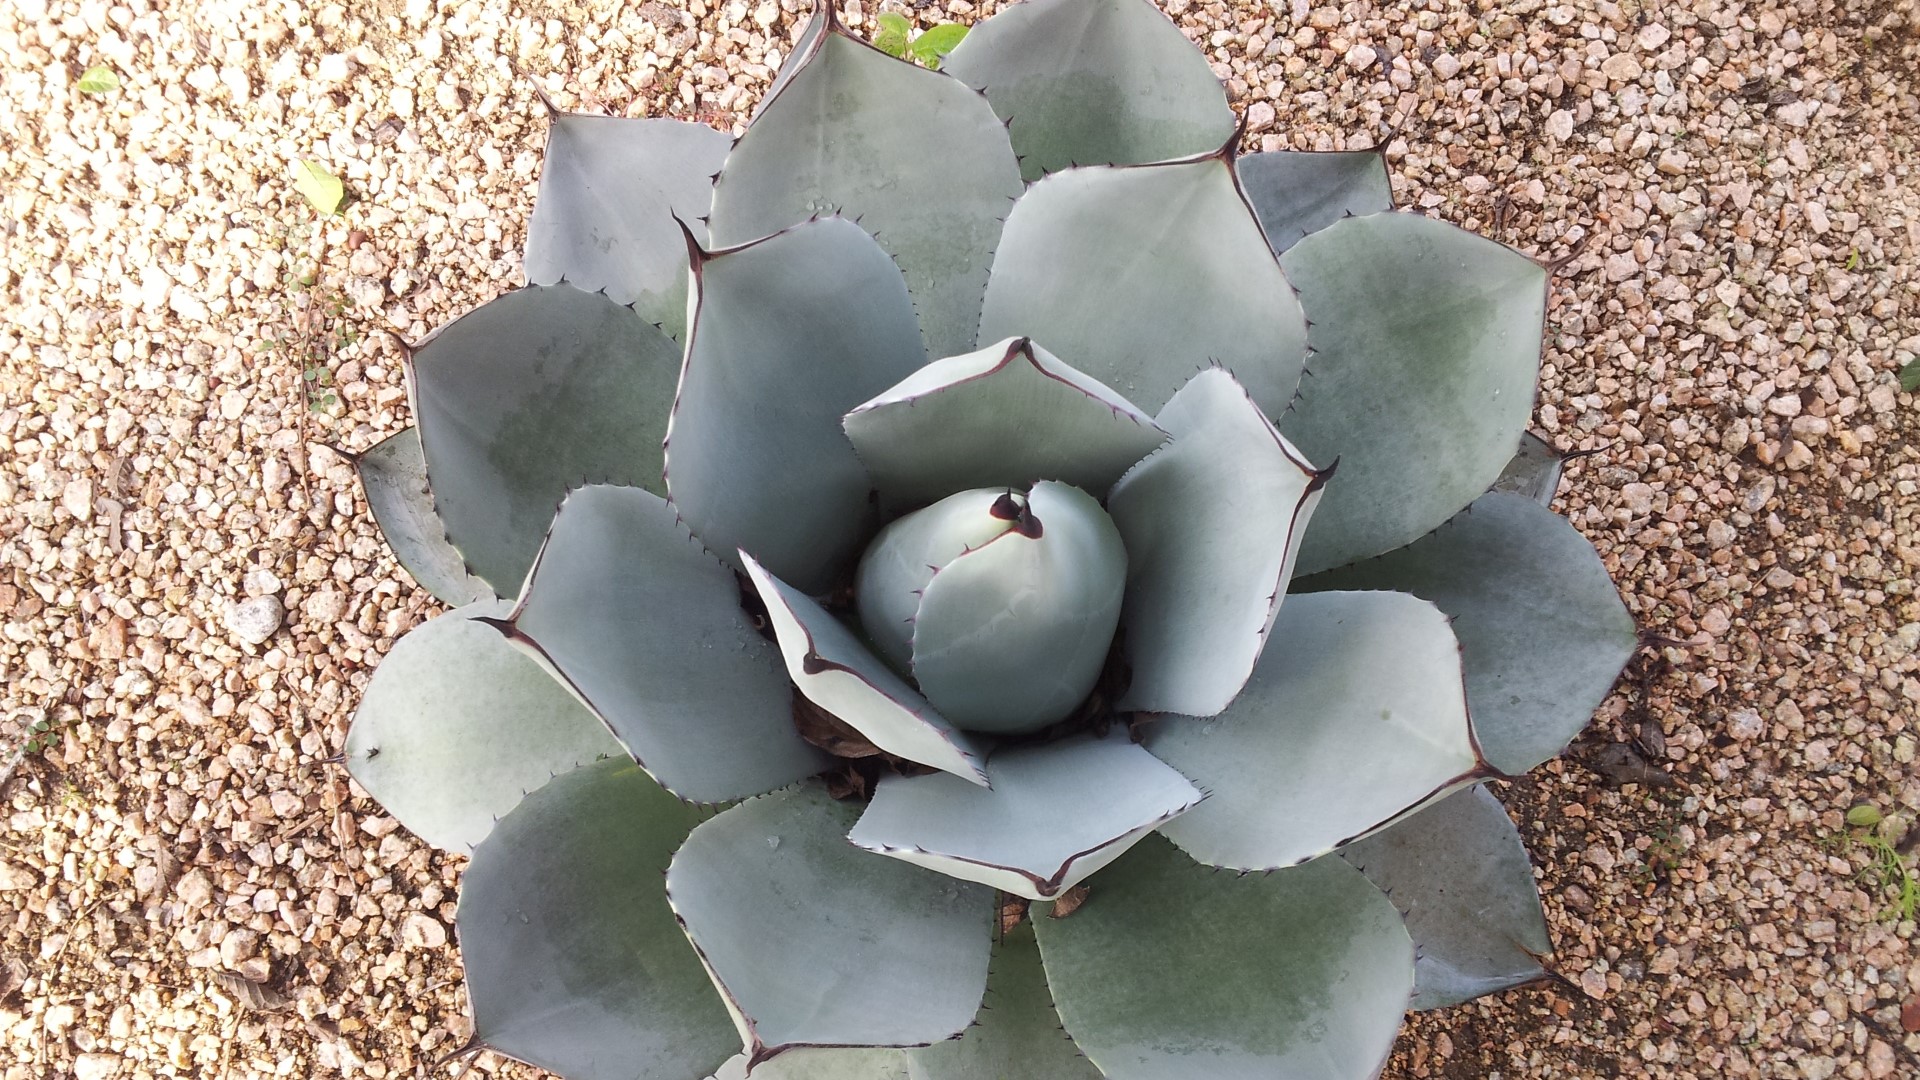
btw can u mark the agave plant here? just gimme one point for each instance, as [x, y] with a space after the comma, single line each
[981, 487]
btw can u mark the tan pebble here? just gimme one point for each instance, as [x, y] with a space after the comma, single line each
[423, 932]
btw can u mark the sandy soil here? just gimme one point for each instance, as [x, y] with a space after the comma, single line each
[1737, 187]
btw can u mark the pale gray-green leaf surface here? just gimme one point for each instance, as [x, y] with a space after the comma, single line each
[1003, 416]
[1173, 971]
[1298, 192]
[902, 559]
[574, 960]
[646, 627]
[1533, 471]
[918, 158]
[1426, 348]
[819, 943]
[1018, 1033]
[1459, 871]
[1142, 276]
[1011, 636]
[393, 473]
[1355, 715]
[610, 189]
[1212, 524]
[835, 671]
[1057, 812]
[456, 726]
[820, 1063]
[789, 333]
[1094, 82]
[526, 397]
[1542, 629]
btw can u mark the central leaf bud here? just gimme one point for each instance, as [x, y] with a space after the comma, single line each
[1000, 604]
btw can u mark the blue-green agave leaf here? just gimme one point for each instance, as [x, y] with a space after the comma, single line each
[1171, 971]
[1057, 812]
[789, 333]
[1543, 632]
[835, 671]
[1297, 192]
[1212, 523]
[1426, 348]
[1459, 872]
[902, 559]
[393, 473]
[527, 396]
[574, 960]
[1003, 416]
[1094, 82]
[1013, 635]
[916, 157]
[817, 943]
[823, 1063]
[456, 726]
[1533, 471]
[1018, 1032]
[647, 629]
[1143, 275]
[610, 190]
[1353, 684]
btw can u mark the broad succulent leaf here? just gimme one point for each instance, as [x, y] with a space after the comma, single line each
[393, 473]
[1094, 82]
[1298, 192]
[1012, 635]
[1003, 416]
[902, 559]
[526, 397]
[823, 1063]
[647, 629]
[835, 671]
[1533, 471]
[1145, 274]
[1212, 524]
[916, 157]
[457, 726]
[1543, 632]
[1057, 812]
[817, 943]
[574, 960]
[1459, 872]
[1018, 1032]
[1171, 971]
[610, 191]
[1369, 677]
[789, 333]
[1426, 348]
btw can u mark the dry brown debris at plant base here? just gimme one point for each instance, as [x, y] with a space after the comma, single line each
[1740, 181]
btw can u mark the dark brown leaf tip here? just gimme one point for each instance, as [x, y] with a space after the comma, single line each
[1007, 508]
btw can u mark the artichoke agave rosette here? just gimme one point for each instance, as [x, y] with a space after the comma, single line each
[1028, 473]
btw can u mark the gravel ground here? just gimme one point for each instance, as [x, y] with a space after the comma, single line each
[193, 594]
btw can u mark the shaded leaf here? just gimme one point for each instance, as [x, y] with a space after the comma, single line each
[647, 628]
[1910, 376]
[1355, 716]
[393, 473]
[1298, 192]
[1534, 471]
[526, 397]
[1094, 82]
[1173, 972]
[1459, 872]
[574, 960]
[1542, 629]
[1017, 1034]
[1427, 345]
[456, 726]
[817, 943]
[789, 333]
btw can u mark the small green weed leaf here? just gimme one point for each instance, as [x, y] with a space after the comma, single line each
[1864, 816]
[319, 187]
[892, 37]
[98, 80]
[932, 47]
[1910, 376]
